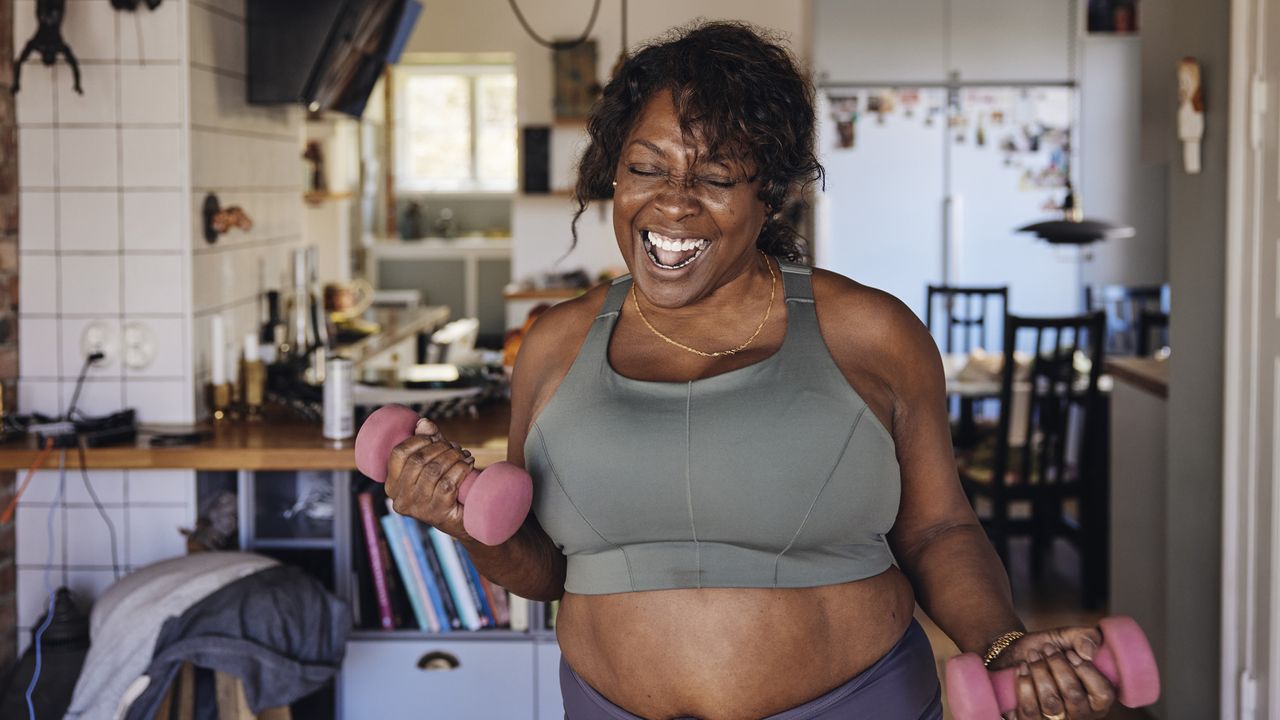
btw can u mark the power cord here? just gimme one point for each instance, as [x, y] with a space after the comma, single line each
[111, 528]
[48, 587]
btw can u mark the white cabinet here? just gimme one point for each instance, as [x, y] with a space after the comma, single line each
[392, 679]
[871, 41]
[547, 656]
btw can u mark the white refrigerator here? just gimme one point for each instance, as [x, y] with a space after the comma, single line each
[928, 184]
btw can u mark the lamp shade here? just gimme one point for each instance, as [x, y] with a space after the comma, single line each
[1078, 232]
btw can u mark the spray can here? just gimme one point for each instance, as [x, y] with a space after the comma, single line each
[339, 403]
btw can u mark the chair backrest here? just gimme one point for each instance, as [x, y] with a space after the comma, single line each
[1124, 305]
[1149, 321]
[1061, 400]
[965, 311]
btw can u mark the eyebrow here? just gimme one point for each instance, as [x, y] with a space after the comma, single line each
[651, 146]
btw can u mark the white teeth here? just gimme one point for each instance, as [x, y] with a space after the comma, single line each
[672, 245]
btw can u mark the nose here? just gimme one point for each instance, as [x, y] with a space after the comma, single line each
[677, 201]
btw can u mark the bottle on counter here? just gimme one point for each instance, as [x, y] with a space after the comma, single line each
[339, 402]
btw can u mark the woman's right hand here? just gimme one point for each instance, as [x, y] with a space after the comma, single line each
[423, 475]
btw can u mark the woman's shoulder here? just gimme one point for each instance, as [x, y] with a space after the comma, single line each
[549, 348]
[874, 337]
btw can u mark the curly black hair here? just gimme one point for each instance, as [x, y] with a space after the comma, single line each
[741, 91]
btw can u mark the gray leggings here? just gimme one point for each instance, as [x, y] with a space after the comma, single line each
[902, 685]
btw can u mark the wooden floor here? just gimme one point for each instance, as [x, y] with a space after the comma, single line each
[1054, 602]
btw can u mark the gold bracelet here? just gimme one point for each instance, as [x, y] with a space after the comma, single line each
[999, 645]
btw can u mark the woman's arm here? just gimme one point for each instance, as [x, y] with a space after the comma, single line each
[425, 470]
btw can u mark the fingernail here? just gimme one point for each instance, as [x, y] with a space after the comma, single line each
[1073, 658]
[1023, 670]
[421, 426]
[1050, 650]
[1087, 648]
[1033, 656]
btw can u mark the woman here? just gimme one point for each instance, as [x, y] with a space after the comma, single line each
[744, 479]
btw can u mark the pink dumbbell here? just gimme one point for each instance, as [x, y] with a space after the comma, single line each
[1125, 658]
[497, 499]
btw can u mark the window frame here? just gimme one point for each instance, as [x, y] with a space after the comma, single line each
[473, 71]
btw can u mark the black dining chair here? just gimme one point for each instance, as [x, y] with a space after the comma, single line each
[965, 311]
[1054, 468]
[1150, 321]
[1124, 305]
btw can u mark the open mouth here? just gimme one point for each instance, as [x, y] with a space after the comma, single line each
[672, 253]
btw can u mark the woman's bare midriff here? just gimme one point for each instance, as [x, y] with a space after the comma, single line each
[731, 652]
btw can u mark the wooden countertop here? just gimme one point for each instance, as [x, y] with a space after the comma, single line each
[278, 442]
[1148, 374]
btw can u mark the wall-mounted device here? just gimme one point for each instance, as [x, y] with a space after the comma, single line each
[325, 54]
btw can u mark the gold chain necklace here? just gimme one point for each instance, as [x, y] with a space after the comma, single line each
[773, 286]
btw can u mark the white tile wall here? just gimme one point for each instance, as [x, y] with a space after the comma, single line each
[36, 209]
[87, 157]
[150, 94]
[35, 155]
[89, 221]
[90, 284]
[38, 291]
[153, 35]
[153, 284]
[153, 221]
[40, 335]
[97, 103]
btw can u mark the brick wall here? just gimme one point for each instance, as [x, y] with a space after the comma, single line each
[8, 319]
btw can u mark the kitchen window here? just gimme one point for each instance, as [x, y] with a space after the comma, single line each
[456, 128]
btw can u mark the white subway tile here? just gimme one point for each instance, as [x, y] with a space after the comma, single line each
[36, 225]
[90, 30]
[87, 157]
[216, 40]
[108, 484]
[42, 488]
[98, 396]
[154, 535]
[33, 595]
[150, 93]
[73, 343]
[88, 537]
[38, 352]
[153, 284]
[35, 157]
[31, 533]
[167, 344]
[34, 101]
[160, 401]
[38, 289]
[89, 221]
[40, 396]
[98, 102]
[88, 585]
[153, 220]
[152, 35]
[152, 157]
[161, 486]
[90, 284]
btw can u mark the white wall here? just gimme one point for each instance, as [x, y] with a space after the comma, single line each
[103, 181]
[540, 225]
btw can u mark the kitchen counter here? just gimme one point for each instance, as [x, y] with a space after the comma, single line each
[1149, 374]
[277, 442]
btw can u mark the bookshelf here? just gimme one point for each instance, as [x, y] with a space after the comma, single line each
[310, 518]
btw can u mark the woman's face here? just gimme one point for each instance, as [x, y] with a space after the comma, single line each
[686, 223]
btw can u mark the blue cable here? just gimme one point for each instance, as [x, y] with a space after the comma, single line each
[48, 586]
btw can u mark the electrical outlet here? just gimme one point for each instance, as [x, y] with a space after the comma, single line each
[139, 345]
[100, 337]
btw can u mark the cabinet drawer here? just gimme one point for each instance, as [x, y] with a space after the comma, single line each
[492, 679]
[550, 703]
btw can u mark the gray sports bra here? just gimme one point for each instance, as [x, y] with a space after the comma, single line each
[775, 474]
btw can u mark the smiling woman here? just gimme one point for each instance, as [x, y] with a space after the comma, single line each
[742, 466]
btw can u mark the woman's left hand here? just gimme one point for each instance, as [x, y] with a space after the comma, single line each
[1056, 678]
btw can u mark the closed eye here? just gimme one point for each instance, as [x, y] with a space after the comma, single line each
[643, 171]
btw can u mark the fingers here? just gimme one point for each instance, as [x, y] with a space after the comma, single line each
[1073, 695]
[1028, 703]
[1101, 693]
[445, 494]
[1046, 689]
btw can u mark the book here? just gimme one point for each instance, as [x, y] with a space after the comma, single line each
[437, 574]
[413, 530]
[456, 578]
[369, 527]
[473, 584]
[403, 554]
[498, 600]
[400, 606]
[519, 612]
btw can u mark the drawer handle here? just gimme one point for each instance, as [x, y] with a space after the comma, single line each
[439, 660]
